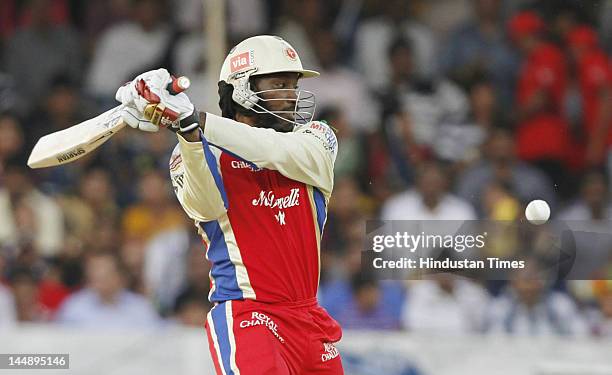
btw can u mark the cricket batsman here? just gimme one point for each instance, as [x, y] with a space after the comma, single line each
[256, 182]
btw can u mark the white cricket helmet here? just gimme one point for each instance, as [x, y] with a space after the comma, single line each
[260, 55]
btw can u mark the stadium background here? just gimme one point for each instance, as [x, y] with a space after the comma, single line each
[430, 99]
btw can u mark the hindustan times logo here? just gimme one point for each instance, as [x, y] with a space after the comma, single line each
[412, 242]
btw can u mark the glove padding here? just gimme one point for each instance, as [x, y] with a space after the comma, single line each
[149, 104]
[133, 118]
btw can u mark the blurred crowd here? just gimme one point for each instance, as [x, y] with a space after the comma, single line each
[445, 110]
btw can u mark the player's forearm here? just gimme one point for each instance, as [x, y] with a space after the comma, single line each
[198, 192]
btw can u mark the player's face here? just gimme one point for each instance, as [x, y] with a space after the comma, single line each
[279, 94]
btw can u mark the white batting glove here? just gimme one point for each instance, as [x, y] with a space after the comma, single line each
[134, 118]
[155, 105]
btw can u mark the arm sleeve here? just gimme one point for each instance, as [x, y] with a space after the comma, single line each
[196, 180]
[307, 154]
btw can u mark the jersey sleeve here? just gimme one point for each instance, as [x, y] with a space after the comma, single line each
[195, 179]
[307, 154]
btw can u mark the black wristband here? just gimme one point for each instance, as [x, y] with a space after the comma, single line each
[190, 122]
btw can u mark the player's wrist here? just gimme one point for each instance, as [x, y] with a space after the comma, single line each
[189, 123]
[190, 126]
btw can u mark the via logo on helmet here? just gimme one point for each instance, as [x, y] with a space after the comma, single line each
[242, 61]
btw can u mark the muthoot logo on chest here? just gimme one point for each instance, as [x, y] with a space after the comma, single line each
[269, 199]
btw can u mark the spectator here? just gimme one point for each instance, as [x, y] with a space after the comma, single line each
[498, 203]
[461, 142]
[104, 302]
[348, 160]
[594, 81]
[8, 19]
[601, 316]
[26, 293]
[191, 308]
[8, 315]
[164, 266]
[197, 269]
[541, 87]
[60, 108]
[529, 307]
[28, 215]
[593, 204]
[154, 213]
[51, 290]
[363, 303]
[37, 53]
[480, 45]
[375, 36]
[445, 305]
[341, 87]
[142, 42]
[605, 25]
[98, 15]
[428, 103]
[347, 209]
[443, 16]
[499, 165]
[98, 193]
[11, 139]
[429, 200]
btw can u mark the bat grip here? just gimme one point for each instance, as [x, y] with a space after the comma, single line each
[178, 85]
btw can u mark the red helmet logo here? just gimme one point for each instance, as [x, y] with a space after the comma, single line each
[290, 53]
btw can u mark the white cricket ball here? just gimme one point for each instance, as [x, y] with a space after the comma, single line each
[537, 212]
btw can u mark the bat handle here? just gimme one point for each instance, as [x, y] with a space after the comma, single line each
[178, 85]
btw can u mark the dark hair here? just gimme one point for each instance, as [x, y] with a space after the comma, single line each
[397, 44]
[229, 108]
[190, 296]
[361, 281]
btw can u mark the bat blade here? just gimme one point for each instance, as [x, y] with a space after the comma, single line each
[70, 144]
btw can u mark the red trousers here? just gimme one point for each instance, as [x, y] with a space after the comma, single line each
[253, 338]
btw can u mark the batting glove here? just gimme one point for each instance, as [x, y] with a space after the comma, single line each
[154, 105]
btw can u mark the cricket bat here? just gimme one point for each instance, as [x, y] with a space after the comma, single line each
[70, 144]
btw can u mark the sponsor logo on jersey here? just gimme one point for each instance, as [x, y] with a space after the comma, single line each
[260, 319]
[239, 164]
[325, 134]
[242, 61]
[62, 158]
[331, 352]
[269, 199]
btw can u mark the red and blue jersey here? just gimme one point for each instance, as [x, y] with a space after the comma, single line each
[259, 200]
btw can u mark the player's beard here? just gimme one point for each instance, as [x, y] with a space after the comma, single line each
[270, 121]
